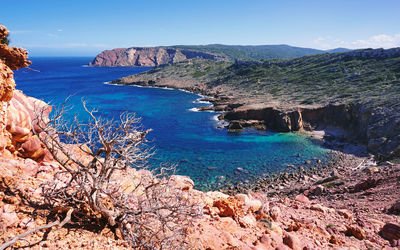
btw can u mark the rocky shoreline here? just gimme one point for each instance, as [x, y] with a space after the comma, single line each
[256, 101]
[336, 122]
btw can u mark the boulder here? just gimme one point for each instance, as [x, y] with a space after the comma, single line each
[235, 125]
[292, 241]
[9, 219]
[183, 182]
[252, 205]
[275, 213]
[345, 213]
[302, 198]
[364, 185]
[390, 232]
[395, 208]
[32, 148]
[230, 206]
[355, 231]
[316, 190]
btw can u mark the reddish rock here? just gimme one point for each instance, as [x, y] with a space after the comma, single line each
[355, 231]
[275, 213]
[364, 185]
[345, 213]
[282, 247]
[32, 148]
[390, 232]
[302, 198]
[229, 207]
[9, 219]
[316, 190]
[183, 182]
[292, 241]
[395, 208]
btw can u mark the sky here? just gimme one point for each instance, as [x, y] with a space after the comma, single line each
[86, 27]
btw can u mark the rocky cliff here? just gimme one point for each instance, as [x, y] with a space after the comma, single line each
[149, 56]
[16, 109]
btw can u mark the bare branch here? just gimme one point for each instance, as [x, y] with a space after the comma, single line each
[95, 155]
[23, 235]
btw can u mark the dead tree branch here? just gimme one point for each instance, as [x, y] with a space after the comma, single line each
[95, 156]
[60, 224]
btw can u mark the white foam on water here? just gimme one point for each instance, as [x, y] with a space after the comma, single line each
[194, 110]
[114, 84]
[198, 100]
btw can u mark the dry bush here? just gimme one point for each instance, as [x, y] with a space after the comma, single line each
[96, 157]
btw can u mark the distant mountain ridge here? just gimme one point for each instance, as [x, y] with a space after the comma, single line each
[155, 56]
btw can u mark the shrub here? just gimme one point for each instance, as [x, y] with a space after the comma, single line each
[95, 157]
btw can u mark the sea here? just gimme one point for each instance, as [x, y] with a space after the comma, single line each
[196, 143]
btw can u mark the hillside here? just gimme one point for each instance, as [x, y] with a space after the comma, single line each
[256, 52]
[155, 56]
[357, 90]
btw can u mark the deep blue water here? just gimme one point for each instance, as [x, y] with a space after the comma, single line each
[180, 136]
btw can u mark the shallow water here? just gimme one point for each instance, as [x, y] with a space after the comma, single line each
[180, 136]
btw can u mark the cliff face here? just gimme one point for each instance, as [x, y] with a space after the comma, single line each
[370, 126]
[17, 111]
[148, 56]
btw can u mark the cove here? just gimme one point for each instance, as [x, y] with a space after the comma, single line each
[191, 140]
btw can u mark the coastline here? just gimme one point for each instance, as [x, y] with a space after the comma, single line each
[281, 176]
[228, 107]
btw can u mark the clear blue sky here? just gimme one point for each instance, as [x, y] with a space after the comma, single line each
[85, 27]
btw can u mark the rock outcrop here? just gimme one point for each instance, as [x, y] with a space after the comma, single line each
[377, 128]
[149, 56]
[17, 111]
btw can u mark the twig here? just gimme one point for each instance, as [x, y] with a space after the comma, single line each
[359, 165]
[23, 235]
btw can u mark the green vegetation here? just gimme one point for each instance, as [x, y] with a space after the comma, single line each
[345, 77]
[256, 52]
[5, 40]
[330, 225]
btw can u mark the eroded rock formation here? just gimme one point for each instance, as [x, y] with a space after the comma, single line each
[17, 111]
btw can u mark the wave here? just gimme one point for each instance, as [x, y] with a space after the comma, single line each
[194, 109]
[199, 100]
[114, 84]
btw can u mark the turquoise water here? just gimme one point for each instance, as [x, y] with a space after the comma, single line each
[180, 136]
